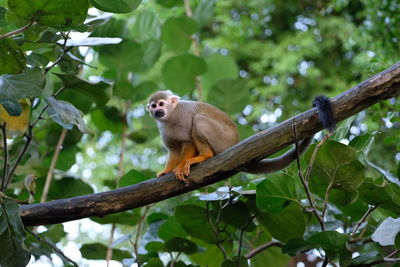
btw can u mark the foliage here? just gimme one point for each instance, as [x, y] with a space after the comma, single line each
[89, 65]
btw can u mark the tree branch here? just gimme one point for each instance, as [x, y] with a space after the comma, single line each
[17, 31]
[380, 87]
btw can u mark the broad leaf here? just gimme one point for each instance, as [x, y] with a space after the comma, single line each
[12, 107]
[219, 68]
[386, 232]
[179, 72]
[204, 11]
[276, 191]
[12, 236]
[29, 83]
[338, 164]
[237, 215]
[61, 14]
[69, 187]
[130, 218]
[12, 59]
[99, 92]
[181, 245]
[171, 228]
[132, 177]
[288, 224]
[98, 251]
[116, 6]
[229, 95]
[177, 33]
[65, 114]
[146, 27]
[194, 220]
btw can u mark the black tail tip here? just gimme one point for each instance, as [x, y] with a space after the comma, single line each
[325, 111]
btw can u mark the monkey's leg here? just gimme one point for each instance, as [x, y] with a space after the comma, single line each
[173, 160]
[206, 131]
[188, 151]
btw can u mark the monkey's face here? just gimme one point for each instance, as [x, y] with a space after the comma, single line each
[162, 108]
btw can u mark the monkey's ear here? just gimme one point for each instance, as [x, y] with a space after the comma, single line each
[174, 99]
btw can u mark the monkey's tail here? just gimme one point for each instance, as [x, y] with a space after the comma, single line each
[327, 119]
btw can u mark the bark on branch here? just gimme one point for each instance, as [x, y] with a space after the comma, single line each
[382, 86]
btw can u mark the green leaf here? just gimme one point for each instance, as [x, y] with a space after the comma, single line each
[98, 251]
[125, 56]
[154, 262]
[124, 89]
[394, 192]
[81, 101]
[204, 11]
[169, 3]
[219, 68]
[61, 14]
[170, 229]
[12, 236]
[146, 27]
[236, 214]
[29, 83]
[112, 28]
[212, 257]
[386, 232]
[288, 224]
[362, 143]
[116, 6]
[100, 92]
[151, 50]
[54, 233]
[179, 72]
[156, 217]
[194, 220]
[155, 246]
[12, 59]
[132, 177]
[12, 107]
[373, 194]
[65, 114]
[180, 244]
[366, 258]
[229, 95]
[276, 192]
[69, 187]
[338, 164]
[107, 119]
[177, 32]
[130, 218]
[144, 90]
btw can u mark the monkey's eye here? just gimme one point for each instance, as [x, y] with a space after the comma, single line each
[161, 104]
[153, 105]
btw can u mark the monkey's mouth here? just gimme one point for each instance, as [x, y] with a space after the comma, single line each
[159, 114]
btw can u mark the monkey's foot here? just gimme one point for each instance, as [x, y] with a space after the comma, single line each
[161, 173]
[181, 171]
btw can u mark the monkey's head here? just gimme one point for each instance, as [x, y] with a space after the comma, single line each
[161, 104]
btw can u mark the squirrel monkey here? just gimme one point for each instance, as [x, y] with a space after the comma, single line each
[195, 131]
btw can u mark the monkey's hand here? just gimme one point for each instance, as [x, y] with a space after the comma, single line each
[182, 170]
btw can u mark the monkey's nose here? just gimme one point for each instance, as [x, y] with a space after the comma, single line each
[159, 113]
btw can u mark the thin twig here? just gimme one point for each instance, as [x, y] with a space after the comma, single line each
[241, 238]
[388, 258]
[362, 220]
[327, 193]
[53, 163]
[64, 52]
[173, 260]
[17, 31]
[304, 181]
[136, 244]
[57, 250]
[196, 48]
[4, 132]
[263, 247]
[314, 154]
[109, 249]
[215, 231]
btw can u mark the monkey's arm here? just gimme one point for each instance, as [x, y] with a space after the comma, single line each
[172, 162]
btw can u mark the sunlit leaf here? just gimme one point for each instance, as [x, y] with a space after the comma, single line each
[97, 251]
[177, 33]
[116, 6]
[146, 27]
[387, 231]
[229, 95]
